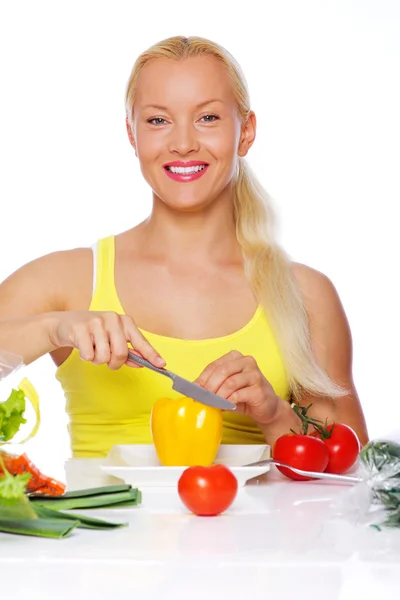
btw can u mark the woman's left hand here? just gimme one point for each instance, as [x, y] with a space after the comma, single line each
[238, 379]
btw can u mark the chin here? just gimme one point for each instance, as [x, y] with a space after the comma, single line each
[186, 204]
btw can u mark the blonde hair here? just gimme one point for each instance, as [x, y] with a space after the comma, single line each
[267, 266]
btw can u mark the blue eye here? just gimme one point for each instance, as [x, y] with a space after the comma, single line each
[209, 118]
[157, 121]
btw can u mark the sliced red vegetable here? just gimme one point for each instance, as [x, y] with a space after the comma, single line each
[38, 482]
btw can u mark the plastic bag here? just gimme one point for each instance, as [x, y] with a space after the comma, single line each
[376, 499]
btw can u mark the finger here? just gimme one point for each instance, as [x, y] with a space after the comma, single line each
[223, 372]
[83, 342]
[141, 345]
[130, 363]
[119, 348]
[101, 342]
[242, 399]
[235, 383]
[118, 343]
[203, 378]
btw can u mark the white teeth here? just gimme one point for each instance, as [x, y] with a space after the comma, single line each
[186, 170]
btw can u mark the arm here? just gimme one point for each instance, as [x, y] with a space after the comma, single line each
[41, 310]
[32, 298]
[333, 349]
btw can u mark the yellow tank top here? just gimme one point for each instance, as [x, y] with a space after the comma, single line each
[113, 407]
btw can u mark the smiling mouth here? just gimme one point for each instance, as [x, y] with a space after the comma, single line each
[185, 170]
[182, 173]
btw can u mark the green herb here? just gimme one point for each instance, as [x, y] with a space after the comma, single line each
[382, 454]
[12, 486]
[14, 503]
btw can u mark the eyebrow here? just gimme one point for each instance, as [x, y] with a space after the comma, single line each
[159, 107]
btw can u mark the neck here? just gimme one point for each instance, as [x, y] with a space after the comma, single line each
[196, 236]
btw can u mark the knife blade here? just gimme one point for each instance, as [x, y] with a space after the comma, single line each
[185, 387]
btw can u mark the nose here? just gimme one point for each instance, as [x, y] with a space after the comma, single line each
[183, 139]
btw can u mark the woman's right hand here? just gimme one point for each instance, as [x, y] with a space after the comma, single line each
[102, 337]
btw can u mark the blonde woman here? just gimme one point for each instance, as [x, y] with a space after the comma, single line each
[201, 285]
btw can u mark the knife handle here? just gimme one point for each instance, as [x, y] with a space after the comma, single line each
[139, 360]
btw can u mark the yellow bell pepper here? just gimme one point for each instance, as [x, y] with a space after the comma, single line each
[185, 432]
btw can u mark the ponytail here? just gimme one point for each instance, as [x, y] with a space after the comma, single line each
[271, 277]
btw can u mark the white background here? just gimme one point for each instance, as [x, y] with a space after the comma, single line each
[324, 81]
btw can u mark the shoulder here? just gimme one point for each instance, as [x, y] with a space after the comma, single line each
[316, 287]
[322, 303]
[57, 264]
[309, 278]
[56, 281]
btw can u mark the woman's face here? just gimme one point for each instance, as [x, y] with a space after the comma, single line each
[187, 131]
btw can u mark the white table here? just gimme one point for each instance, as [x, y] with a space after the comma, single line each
[280, 539]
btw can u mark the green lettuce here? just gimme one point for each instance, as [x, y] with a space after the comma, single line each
[11, 412]
[14, 503]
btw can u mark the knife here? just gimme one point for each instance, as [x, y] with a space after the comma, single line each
[185, 387]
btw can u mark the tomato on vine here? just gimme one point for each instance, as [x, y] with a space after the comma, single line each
[302, 452]
[343, 446]
[332, 448]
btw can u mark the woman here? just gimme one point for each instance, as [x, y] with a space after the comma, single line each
[201, 285]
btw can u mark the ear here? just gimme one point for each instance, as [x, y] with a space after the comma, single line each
[130, 134]
[247, 135]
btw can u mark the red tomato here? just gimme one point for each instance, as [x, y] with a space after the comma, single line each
[343, 446]
[207, 491]
[301, 451]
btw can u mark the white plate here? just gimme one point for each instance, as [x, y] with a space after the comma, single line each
[138, 464]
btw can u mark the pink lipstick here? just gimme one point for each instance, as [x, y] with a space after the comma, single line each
[185, 171]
